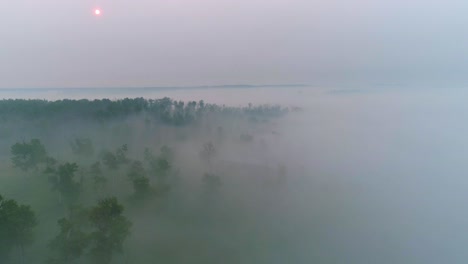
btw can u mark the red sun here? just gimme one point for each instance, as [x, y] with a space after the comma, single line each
[97, 12]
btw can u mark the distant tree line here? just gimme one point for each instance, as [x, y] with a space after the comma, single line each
[165, 110]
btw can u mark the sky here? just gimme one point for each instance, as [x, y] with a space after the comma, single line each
[56, 43]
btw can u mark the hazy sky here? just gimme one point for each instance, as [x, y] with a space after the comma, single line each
[57, 43]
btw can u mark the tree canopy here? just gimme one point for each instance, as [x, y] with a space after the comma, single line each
[28, 155]
[17, 222]
[111, 230]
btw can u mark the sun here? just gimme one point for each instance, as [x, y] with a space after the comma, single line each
[97, 12]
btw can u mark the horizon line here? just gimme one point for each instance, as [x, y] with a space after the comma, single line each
[162, 87]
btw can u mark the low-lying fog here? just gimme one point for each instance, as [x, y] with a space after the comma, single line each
[378, 176]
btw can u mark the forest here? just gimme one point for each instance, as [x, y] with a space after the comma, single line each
[142, 181]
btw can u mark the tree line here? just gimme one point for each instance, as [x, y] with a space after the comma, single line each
[165, 110]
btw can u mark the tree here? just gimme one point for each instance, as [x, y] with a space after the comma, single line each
[110, 160]
[160, 166]
[17, 222]
[208, 152]
[141, 187]
[71, 242]
[28, 155]
[111, 230]
[63, 181]
[137, 175]
[121, 154]
[136, 170]
[149, 156]
[114, 160]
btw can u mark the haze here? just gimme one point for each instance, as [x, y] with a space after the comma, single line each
[243, 132]
[54, 43]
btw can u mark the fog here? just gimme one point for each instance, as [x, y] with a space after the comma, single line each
[371, 176]
[391, 168]
[348, 145]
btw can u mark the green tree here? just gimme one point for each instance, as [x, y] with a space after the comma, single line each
[110, 160]
[137, 175]
[149, 156]
[136, 170]
[208, 153]
[121, 154]
[63, 181]
[162, 168]
[159, 166]
[28, 155]
[114, 160]
[111, 230]
[71, 242]
[17, 222]
[141, 187]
